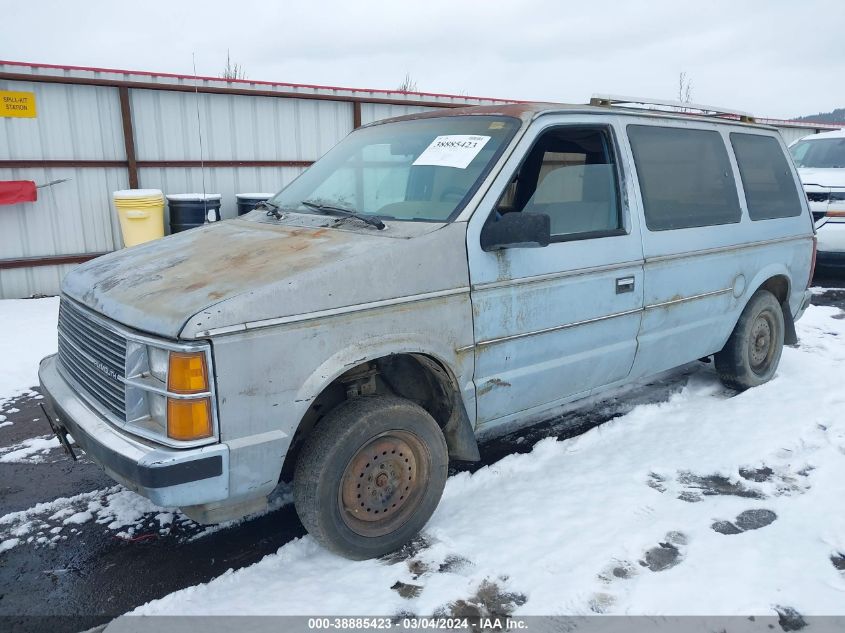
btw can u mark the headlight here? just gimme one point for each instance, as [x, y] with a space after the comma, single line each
[158, 359]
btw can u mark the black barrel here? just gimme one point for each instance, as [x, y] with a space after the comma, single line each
[189, 210]
[247, 201]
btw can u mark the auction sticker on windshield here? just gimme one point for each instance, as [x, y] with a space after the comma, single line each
[452, 150]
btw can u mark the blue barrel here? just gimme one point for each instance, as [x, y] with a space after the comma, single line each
[189, 210]
[247, 201]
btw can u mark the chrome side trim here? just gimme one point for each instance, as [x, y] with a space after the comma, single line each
[723, 249]
[555, 328]
[671, 302]
[577, 272]
[651, 306]
[310, 316]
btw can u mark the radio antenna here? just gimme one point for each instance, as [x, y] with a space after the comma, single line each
[199, 134]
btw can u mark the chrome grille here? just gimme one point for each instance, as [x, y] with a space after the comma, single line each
[818, 196]
[94, 356]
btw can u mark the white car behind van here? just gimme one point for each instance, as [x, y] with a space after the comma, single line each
[820, 159]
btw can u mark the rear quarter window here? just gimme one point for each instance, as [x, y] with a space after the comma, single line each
[685, 177]
[770, 190]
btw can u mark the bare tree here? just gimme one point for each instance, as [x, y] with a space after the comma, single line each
[233, 70]
[684, 88]
[408, 84]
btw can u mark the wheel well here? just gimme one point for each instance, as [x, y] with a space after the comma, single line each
[778, 286]
[417, 377]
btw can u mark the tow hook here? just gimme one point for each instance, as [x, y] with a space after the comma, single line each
[59, 432]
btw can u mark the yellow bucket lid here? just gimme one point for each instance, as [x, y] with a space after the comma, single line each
[136, 198]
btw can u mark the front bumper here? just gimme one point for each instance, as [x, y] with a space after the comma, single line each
[830, 259]
[830, 238]
[168, 477]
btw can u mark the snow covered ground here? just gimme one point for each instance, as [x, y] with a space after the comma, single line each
[28, 328]
[711, 503]
[708, 503]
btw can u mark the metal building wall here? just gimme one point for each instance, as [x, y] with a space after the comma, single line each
[252, 141]
[791, 134]
[73, 122]
[169, 126]
[377, 111]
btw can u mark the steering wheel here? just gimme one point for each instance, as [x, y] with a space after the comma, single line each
[454, 194]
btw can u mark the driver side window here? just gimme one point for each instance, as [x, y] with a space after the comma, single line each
[570, 175]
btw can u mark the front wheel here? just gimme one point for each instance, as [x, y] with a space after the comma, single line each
[752, 353]
[370, 475]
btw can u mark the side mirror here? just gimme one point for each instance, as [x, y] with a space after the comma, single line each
[516, 230]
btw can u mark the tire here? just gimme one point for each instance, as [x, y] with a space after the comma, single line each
[370, 456]
[752, 353]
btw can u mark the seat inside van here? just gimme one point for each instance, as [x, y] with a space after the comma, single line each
[577, 198]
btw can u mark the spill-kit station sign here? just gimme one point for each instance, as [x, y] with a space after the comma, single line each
[17, 104]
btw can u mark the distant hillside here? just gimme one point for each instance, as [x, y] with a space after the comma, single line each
[837, 116]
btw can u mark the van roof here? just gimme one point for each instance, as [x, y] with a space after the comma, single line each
[528, 111]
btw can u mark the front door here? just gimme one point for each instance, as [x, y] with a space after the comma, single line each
[553, 323]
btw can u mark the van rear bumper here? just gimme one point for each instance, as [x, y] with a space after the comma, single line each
[168, 477]
[805, 303]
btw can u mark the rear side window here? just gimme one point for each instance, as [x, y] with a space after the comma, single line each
[766, 178]
[685, 177]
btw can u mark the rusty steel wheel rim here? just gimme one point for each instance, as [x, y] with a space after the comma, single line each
[761, 347]
[384, 483]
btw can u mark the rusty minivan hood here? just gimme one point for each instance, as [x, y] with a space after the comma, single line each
[233, 272]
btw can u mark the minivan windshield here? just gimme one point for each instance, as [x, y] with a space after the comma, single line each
[415, 170]
[823, 153]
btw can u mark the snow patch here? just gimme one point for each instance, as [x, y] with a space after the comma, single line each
[619, 520]
[30, 451]
[39, 316]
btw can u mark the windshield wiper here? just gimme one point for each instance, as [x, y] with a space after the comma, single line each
[273, 209]
[329, 209]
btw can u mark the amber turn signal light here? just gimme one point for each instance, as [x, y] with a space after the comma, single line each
[188, 419]
[187, 372]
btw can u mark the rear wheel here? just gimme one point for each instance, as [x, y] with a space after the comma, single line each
[752, 353]
[370, 475]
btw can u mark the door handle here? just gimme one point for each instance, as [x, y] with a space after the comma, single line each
[624, 284]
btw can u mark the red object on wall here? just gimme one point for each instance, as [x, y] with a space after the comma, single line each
[15, 191]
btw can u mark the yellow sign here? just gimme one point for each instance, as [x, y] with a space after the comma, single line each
[17, 104]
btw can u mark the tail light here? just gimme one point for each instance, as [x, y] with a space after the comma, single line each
[813, 261]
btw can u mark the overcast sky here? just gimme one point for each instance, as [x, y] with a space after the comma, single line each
[775, 59]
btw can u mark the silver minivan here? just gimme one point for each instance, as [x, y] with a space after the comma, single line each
[432, 278]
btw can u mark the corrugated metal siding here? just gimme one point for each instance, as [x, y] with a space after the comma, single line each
[73, 122]
[235, 127]
[16, 283]
[792, 134]
[69, 217]
[377, 111]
